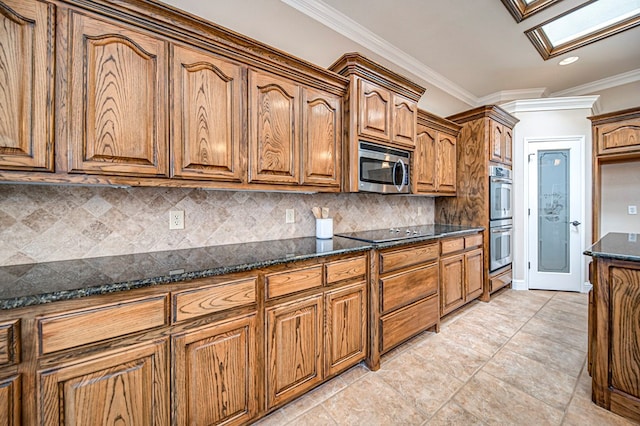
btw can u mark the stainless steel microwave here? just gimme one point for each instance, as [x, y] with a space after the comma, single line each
[383, 169]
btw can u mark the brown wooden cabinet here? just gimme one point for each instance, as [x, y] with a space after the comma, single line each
[614, 337]
[274, 122]
[500, 143]
[215, 373]
[382, 107]
[484, 139]
[435, 155]
[26, 85]
[374, 110]
[10, 401]
[346, 327]
[616, 139]
[404, 296]
[117, 99]
[321, 138]
[461, 273]
[207, 116]
[129, 386]
[294, 347]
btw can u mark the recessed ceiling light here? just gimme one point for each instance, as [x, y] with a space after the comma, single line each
[569, 60]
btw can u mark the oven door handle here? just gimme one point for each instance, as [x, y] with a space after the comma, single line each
[499, 180]
[501, 231]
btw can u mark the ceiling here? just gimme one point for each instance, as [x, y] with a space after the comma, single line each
[465, 52]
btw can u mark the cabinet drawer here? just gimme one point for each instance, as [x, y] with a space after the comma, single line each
[346, 269]
[213, 298]
[473, 241]
[396, 259]
[451, 246]
[9, 342]
[407, 322]
[402, 289]
[293, 281]
[499, 281]
[75, 328]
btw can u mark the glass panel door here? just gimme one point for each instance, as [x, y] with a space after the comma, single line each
[553, 211]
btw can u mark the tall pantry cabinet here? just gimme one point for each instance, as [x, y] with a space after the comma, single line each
[485, 140]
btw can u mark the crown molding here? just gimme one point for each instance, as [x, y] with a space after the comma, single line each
[552, 104]
[342, 24]
[604, 84]
[512, 95]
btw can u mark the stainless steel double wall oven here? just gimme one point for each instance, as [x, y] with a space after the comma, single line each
[500, 217]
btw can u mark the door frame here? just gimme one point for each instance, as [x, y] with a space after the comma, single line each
[584, 185]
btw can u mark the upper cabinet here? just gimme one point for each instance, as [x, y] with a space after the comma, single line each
[26, 85]
[274, 122]
[382, 107]
[206, 117]
[500, 143]
[435, 155]
[148, 96]
[117, 99]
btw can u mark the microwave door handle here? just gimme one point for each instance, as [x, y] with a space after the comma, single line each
[404, 173]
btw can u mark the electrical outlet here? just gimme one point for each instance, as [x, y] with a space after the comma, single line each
[290, 216]
[632, 209]
[176, 219]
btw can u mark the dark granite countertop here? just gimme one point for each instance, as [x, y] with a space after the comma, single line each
[616, 245]
[38, 283]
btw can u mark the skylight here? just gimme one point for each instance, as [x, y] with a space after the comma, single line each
[585, 24]
[522, 9]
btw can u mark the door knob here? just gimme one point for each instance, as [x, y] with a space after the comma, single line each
[575, 223]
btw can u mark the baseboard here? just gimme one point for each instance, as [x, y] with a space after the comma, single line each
[519, 285]
[586, 287]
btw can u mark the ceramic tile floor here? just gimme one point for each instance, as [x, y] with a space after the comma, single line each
[518, 360]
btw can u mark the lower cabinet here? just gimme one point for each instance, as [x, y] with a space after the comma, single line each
[10, 407]
[346, 328]
[129, 386]
[461, 273]
[215, 373]
[294, 345]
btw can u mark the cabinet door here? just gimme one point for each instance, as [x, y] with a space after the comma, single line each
[446, 159]
[425, 159]
[405, 115]
[117, 86]
[474, 275]
[10, 401]
[375, 111]
[207, 117]
[215, 374]
[26, 82]
[127, 386]
[496, 141]
[294, 342]
[508, 146]
[274, 122]
[452, 291]
[618, 138]
[321, 138]
[346, 327]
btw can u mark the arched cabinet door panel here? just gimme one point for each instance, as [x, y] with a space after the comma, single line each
[375, 111]
[26, 85]
[117, 107]
[207, 117]
[425, 159]
[405, 113]
[274, 135]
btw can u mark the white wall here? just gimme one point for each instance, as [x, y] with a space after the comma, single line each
[545, 118]
[620, 188]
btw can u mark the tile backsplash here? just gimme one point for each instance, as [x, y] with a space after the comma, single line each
[40, 223]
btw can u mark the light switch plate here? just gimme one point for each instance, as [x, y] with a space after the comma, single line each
[632, 209]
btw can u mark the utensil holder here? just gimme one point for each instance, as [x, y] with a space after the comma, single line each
[324, 228]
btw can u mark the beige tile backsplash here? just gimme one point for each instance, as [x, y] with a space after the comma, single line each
[40, 223]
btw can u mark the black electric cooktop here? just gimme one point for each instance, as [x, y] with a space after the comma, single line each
[401, 233]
